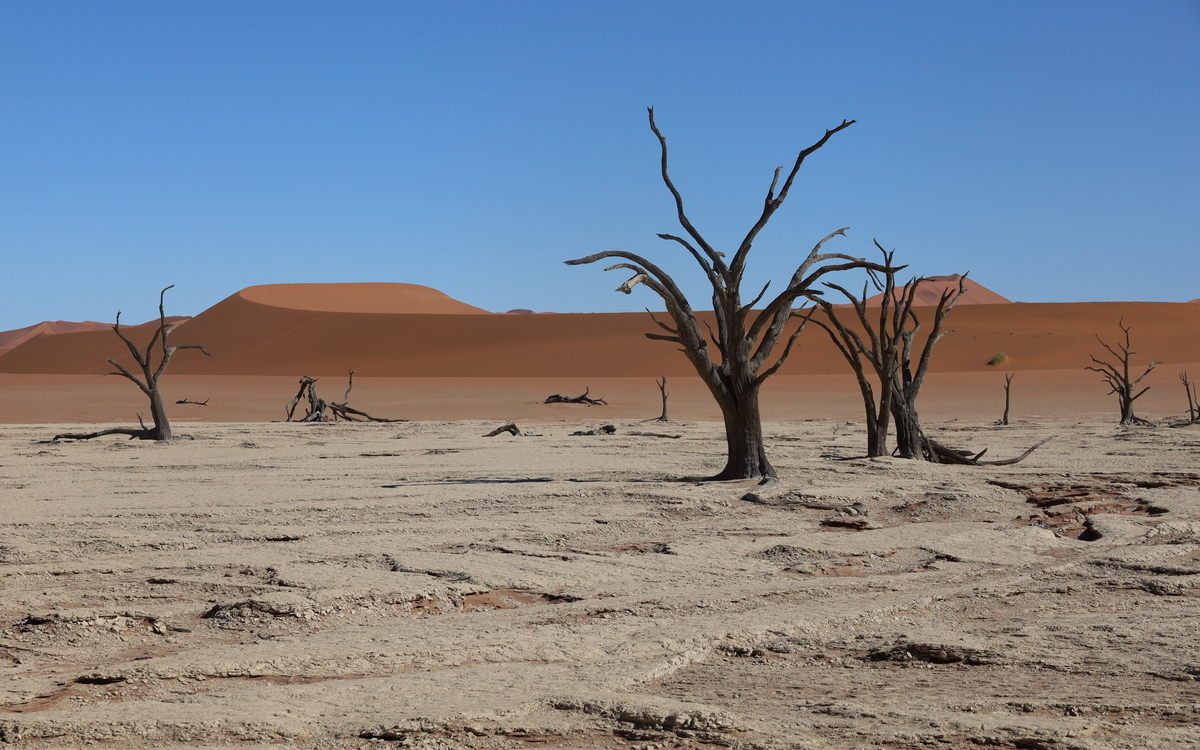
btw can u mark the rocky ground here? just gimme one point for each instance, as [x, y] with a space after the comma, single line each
[418, 585]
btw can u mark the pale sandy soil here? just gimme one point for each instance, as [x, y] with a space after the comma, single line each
[417, 585]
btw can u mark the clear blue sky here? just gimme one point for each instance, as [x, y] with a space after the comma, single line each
[1050, 147]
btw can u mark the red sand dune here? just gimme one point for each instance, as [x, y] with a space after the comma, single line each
[10, 340]
[370, 297]
[930, 292]
[266, 331]
[13, 339]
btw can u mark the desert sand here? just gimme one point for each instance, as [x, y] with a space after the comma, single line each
[339, 586]
[415, 584]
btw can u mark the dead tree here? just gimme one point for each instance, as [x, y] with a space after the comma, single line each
[151, 373]
[1119, 377]
[317, 406]
[745, 340]
[662, 389]
[880, 349]
[1007, 397]
[883, 352]
[1189, 388]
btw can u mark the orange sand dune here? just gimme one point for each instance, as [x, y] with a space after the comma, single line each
[359, 298]
[931, 290]
[262, 331]
[13, 339]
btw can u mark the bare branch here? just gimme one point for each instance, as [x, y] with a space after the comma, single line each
[680, 213]
[773, 202]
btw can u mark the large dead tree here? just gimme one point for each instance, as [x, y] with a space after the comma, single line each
[1119, 376]
[148, 382]
[744, 349]
[880, 348]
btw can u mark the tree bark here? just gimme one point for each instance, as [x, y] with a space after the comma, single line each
[745, 451]
[158, 412]
[910, 438]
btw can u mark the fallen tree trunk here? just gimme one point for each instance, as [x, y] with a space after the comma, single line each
[607, 429]
[510, 428]
[142, 434]
[584, 399]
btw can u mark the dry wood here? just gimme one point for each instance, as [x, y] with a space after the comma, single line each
[938, 453]
[581, 399]
[317, 406]
[510, 428]
[607, 429]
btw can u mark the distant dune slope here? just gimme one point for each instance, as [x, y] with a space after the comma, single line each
[248, 336]
[13, 339]
[370, 297]
[930, 292]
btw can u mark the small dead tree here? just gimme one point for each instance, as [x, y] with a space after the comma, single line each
[745, 340]
[880, 349]
[151, 373]
[662, 389]
[1007, 396]
[1119, 377]
[884, 349]
[317, 406]
[1189, 388]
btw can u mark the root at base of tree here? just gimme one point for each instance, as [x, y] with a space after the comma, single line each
[140, 433]
[937, 453]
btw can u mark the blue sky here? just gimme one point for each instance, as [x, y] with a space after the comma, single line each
[1051, 148]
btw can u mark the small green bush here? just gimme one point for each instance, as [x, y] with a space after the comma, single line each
[998, 358]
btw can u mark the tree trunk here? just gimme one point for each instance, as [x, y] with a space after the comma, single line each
[158, 412]
[1127, 416]
[910, 440]
[877, 432]
[744, 438]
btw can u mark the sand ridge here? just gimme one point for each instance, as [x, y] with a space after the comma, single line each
[367, 297]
